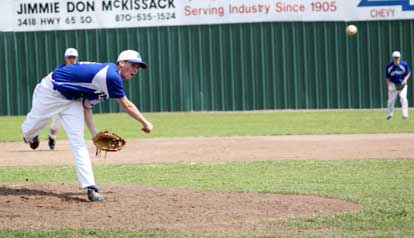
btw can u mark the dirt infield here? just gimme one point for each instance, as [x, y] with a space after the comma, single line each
[152, 208]
[222, 149]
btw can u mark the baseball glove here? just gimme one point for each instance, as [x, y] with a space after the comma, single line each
[400, 86]
[108, 141]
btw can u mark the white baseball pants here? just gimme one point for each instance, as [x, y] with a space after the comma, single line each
[392, 97]
[48, 103]
[54, 127]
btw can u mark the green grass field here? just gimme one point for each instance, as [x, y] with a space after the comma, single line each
[237, 124]
[384, 187]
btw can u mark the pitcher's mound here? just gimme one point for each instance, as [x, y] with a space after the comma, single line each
[155, 208]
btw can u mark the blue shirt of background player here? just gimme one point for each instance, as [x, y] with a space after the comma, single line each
[63, 65]
[397, 73]
[93, 81]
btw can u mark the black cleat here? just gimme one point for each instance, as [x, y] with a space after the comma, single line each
[93, 194]
[52, 143]
[389, 118]
[34, 143]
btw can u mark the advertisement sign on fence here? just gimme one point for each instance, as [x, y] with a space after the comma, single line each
[40, 15]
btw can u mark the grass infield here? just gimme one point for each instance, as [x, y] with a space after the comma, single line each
[236, 124]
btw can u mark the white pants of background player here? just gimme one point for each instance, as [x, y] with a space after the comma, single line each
[54, 127]
[392, 97]
[48, 103]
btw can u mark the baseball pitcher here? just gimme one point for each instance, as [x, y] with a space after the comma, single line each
[69, 92]
[397, 74]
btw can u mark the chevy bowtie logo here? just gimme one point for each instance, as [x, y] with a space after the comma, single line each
[405, 4]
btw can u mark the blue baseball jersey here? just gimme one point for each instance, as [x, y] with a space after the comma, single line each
[93, 81]
[397, 73]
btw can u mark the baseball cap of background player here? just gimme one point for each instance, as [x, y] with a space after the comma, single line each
[133, 57]
[396, 54]
[71, 52]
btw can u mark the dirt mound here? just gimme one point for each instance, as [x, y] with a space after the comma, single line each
[154, 208]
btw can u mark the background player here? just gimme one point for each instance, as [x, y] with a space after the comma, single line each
[64, 93]
[70, 57]
[397, 73]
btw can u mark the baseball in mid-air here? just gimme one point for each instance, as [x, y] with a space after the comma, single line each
[351, 30]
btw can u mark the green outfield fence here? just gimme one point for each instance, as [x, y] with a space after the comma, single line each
[256, 66]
